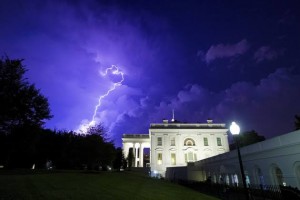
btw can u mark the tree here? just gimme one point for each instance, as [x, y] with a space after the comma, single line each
[119, 161]
[97, 129]
[20, 102]
[100, 150]
[130, 158]
[297, 122]
[23, 110]
[247, 138]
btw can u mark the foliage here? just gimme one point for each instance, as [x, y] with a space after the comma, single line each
[21, 104]
[297, 122]
[21, 146]
[24, 142]
[82, 151]
[130, 158]
[247, 138]
[66, 150]
[119, 161]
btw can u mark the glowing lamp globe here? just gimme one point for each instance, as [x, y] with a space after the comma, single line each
[234, 128]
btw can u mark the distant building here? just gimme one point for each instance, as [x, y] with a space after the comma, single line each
[176, 144]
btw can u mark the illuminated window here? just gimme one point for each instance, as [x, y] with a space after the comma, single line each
[159, 141]
[190, 157]
[189, 142]
[159, 158]
[173, 141]
[205, 140]
[173, 158]
[219, 142]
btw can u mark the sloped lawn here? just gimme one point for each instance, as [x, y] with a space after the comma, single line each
[85, 185]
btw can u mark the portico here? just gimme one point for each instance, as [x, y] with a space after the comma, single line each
[138, 142]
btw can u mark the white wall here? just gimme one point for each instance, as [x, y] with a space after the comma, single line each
[282, 152]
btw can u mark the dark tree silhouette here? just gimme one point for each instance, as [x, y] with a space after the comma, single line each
[130, 158]
[119, 161]
[23, 110]
[69, 150]
[20, 102]
[103, 150]
[297, 122]
[24, 142]
[247, 138]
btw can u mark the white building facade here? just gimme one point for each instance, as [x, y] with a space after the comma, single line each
[275, 161]
[176, 144]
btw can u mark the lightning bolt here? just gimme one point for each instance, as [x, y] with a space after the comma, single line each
[113, 70]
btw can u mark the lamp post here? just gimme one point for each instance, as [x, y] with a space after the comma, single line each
[235, 131]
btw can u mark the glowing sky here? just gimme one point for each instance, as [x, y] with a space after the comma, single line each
[236, 60]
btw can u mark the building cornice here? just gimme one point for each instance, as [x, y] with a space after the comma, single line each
[187, 126]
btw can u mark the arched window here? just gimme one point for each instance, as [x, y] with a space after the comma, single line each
[189, 142]
[277, 175]
[258, 176]
[297, 171]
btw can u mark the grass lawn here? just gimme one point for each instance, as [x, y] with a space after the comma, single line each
[82, 185]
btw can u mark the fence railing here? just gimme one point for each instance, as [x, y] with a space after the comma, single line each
[290, 193]
[265, 192]
[254, 192]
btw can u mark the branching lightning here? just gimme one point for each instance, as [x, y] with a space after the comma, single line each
[115, 71]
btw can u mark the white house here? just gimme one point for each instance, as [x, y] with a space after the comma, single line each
[196, 151]
[176, 144]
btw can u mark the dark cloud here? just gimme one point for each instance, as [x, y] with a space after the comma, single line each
[261, 107]
[66, 44]
[226, 50]
[266, 53]
[70, 43]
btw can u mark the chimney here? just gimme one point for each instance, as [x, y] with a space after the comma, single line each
[209, 121]
[165, 121]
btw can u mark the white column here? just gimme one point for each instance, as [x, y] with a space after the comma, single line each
[126, 147]
[134, 153]
[141, 155]
[136, 156]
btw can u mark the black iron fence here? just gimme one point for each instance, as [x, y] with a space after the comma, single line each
[254, 192]
[265, 192]
[290, 193]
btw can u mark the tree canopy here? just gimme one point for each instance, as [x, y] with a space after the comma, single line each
[21, 103]
[23, 140]
[297, 122]
[247, 138]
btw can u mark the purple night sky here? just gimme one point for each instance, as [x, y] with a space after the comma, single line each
[225, 60]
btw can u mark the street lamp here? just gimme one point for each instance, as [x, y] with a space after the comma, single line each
[235, 130]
